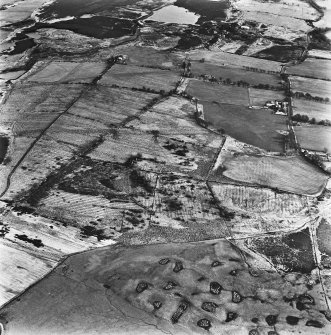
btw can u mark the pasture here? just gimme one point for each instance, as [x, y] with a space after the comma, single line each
[311, 68]
[132, 76]
[315, 87]
[315, 138]
[211, 92]
[317, 110]
[66, 72]
[289, 174]
[258, 127]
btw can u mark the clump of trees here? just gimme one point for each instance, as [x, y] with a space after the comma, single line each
[305, 118]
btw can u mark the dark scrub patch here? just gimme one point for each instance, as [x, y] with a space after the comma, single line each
[178, 267]
[292, 320]
[179, 312]
[157, 304]
[271, 319]
[215, 288]
[204, 323]
[36, 242]
[314, 323]
[236, 297]
[230, 316]
[209, 306]
[141, 287]
[164, 261]
[169, 285]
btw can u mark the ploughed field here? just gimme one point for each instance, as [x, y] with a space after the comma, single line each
[179, 288]
[290, 174]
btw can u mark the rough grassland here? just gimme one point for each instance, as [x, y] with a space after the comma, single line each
[139, 77]
[68, 72]
[315, 87]
[317, 110]
[291, 174]
[258, 127]
[316, 138]
[206, 91]
[164, 288]
[312, 68]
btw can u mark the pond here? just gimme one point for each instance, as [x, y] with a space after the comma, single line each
[174, 14]
[4, 142]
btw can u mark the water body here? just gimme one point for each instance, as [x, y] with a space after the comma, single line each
[207, 9]
[174, 14]
[4, 142]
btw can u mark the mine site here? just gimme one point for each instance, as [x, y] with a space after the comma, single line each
[165, 167]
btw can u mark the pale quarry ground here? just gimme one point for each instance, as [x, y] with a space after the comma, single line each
[324, 54]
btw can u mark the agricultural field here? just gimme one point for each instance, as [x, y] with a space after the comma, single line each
[224, 94]
[235, 74]
[300, 177]
[311, 68]
[221, 58]
[258, 97]
[316, 53]
[132, 76]
[174, 118]
[258, 127]
[66, 72]
[152, 284]
[317, 110]
[315, 87]
[314, 138]
[261, 201]
[110, 105]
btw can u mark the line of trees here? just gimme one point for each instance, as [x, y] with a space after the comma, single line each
[308, 96]
[305, 118]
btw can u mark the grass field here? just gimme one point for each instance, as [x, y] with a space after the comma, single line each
[110, 105]
[258, 127]
[133, 76]
[221, 58]
[67, 72]
[235, 74]
[315, 138]
[312, 68]
[207, 91]
[314, 87]
[259, 97]
[317, 110]
[290, 174]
